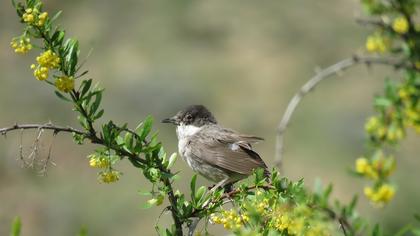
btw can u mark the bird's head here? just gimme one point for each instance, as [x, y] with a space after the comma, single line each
[196, 115]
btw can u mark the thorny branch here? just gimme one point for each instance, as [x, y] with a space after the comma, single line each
[91, 134]
[319, 77]
[48, 126]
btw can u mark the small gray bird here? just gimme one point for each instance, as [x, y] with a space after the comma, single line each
[219, 154]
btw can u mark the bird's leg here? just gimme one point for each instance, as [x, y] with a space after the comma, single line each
[228, 187]
[220, 184]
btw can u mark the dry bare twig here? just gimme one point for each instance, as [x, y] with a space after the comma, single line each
[319, 77]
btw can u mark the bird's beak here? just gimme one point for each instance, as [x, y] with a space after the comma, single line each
[171, 120]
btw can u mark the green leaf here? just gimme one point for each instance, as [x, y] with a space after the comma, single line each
[147, 127]
[71, 51]
[192, 186]
[56, 15]
[16, 227]
[150, 203]
[83, 231]
[61, 96]
[99, 114]
[128, 139]
[200, 193]
[259, 176]
[353, 204]
[95, 104]
[85, 86]
[327, 192]
[172, 160]
[168, 233]
[376, 231]
[58, 37]
[382, 102]
[417, 217]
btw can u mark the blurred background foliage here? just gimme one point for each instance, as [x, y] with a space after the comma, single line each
[242, 59]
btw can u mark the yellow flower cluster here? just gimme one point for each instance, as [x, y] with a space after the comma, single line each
[377, 43]
[400, 25]
[65, 84]
[32, 16]
[49, 59]
[381, 166]
[376, 128]
[46, 61]
[380, 195]
[285, 222]
[411, 112]
[21, 45]
[262, 206]
[109, 176]
[230, 219]
[363, 167]
[97, 161]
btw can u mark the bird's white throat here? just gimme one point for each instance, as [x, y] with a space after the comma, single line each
[184, 131]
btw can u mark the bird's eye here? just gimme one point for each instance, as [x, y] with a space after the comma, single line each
[188, 117]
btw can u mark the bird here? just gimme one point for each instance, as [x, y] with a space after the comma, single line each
[219, 154]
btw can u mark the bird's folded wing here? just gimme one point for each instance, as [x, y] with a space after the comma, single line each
[224, 152]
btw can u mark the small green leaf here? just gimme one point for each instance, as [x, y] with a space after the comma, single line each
[382, 102]
[83, 231]
[376, 231]
[96, 103]
[16, 227]
[56, 15]
[353, 204]
[192, 186]
[200, 193]
[99, 114]
[147, 127]
[61, 96]
[85, 86]
[172, 160]
[417, 217]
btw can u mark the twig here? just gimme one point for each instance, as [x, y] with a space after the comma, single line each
[319, 77]
[193, 225]
[49, 126]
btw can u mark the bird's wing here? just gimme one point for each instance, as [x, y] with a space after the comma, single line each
[243, 137]
[225, 150]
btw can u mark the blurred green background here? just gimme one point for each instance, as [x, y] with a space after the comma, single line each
[243, 59]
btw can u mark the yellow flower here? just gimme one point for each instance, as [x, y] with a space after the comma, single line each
[41, 73]
[395, 134]
[377, 43]
[49, 59]
[96, 161]
[229, 219]
[361, 165]
[65, 84]
[381, 195]
[109, 176]
[400, 25]
[372, 124]
[371, 173]
[42, 18]
[21, 45]
[403, 93]
[28, 16]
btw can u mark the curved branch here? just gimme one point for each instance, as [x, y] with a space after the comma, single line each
[48, 126]
[319, 77]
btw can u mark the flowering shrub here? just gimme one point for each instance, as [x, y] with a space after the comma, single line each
[397, 35]
[262, 205]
